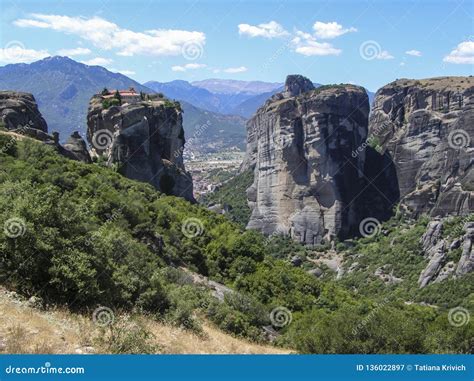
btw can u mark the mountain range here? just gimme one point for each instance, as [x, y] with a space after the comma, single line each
[63, 87]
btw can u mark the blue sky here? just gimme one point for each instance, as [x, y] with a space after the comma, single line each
[364, 42]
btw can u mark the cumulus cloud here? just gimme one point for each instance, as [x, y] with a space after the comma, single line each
[189, 66]
[15, 52]
[462, 54]
[413, 52]
[330, 30]
[234, 70]
[98, 61]
[74, 52]
[268, 30]
[108, 35]
[307, 45]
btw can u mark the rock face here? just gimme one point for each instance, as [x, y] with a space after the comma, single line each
[19, 110]
[19, 114]
[427, 127]
[76, 148]
[307, 182]
[145, 139]
[435, 250]
[466, 263]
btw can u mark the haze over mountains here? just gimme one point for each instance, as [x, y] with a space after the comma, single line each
[215, 110]
[63, 87]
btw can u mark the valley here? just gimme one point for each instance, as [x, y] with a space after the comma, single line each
[320, 224]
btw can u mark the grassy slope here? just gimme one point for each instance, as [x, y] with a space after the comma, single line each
[24, 329]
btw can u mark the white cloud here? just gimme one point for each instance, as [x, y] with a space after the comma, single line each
[462, 54]
[413, 52]
[124, 72]
[99, 61]
[189, 66]
[108, 35]
[307, 45]
[384, 55]
[16, 53]
[268, 30]
[74, 52]
[330, 30]
[234, 70]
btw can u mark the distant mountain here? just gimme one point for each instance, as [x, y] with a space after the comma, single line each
[223, 96]
[208, 131]
[183, 90]
[233, 86]
[248, 107]
[63, 87]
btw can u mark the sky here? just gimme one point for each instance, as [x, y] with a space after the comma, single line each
[369, 43]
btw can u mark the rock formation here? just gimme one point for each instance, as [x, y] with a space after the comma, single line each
[435, 250]
[426, 126]
[20, 114]
[19, 110]
[76, 148]
[145, 139]
[307, 182]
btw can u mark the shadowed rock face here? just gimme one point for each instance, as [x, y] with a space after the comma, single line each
[427, 127]
[76, 148]
[146, 141]
[19, 110]
[308, 183]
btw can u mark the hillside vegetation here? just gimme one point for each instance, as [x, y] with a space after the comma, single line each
[81, 236]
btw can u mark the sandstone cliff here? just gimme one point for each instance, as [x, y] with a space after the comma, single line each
[426, 126]
[308, 183]
[145, 139]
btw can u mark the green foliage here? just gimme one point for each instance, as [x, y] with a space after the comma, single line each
[92, 237]
[107, 103]
[232, 194]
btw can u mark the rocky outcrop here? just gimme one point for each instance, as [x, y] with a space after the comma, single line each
[307, 182]
[435, 249]
[466, 263]
[19, 111]
[144, 139]
[427, 126]
[76, 148]
[20, 115]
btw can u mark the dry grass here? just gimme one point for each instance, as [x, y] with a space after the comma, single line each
[28, 330]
